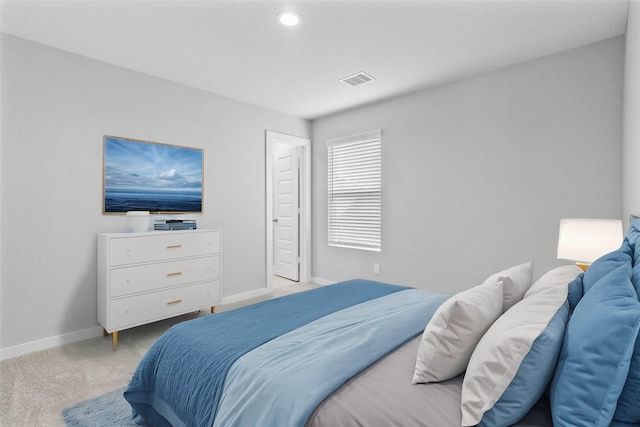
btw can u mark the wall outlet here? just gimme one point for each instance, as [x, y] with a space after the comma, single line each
[376, 268]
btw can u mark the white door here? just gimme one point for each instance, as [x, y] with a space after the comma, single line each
[286, 213]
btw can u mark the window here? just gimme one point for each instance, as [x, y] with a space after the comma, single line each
[355, 187]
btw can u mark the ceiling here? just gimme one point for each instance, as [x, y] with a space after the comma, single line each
[238, 50]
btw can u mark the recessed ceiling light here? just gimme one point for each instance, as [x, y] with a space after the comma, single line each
[289, 19]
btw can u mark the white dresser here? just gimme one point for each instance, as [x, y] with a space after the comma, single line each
[145, 277]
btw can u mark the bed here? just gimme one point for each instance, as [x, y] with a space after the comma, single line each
[562, 350]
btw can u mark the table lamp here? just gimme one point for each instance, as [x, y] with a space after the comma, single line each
[585, 240]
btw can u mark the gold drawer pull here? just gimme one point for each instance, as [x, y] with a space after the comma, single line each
[173, 246]
[174, 302]
[177, 273]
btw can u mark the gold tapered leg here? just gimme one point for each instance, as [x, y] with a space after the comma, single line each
[213, 309]
[115, 340]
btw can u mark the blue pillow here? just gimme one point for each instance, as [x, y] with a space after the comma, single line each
[635, 273]
[576, 292]
[606, 264]
[532, 377]
[629, 402]
[596, 352]
[633, 238]
[635, 228]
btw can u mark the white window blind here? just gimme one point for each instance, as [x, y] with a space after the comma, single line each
[355, 190]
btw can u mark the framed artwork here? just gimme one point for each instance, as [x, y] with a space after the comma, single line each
[151, 176]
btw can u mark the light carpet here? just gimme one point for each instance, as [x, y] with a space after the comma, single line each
[36, 387]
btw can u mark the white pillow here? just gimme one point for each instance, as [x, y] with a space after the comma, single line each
[516, 281]
[513, 363]
[454, 330]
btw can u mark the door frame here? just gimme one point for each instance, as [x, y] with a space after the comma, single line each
[304, 185]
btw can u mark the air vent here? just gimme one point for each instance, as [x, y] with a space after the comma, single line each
[357, 79]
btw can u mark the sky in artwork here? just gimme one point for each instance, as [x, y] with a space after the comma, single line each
[141, 166]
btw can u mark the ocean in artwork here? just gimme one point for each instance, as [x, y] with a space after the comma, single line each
[153, 201]
[149, 176]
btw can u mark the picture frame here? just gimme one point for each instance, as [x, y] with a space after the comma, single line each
[139, 175]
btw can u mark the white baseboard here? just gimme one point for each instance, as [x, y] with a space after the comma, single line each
[322, 282]
[46, 343]
[245, 296]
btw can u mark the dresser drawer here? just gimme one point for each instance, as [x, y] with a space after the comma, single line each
[148, 277]
[144, 308]
[135, 250]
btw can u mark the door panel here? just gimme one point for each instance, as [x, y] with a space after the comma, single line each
[286, 218]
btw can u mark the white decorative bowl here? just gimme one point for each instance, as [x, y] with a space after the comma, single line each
[138, 221]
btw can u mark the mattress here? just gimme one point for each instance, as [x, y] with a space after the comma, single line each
[383, 395]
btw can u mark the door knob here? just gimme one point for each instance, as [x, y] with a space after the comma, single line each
[275, 220]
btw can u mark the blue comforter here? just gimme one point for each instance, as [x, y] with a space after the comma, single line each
[280, 383]
[180, 380]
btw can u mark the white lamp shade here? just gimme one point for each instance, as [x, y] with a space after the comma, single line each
[585, 240]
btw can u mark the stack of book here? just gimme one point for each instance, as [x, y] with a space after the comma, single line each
[174, 224]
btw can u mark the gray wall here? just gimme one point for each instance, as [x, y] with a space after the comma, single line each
[631, 165]
[55, 108]
[477, 174]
